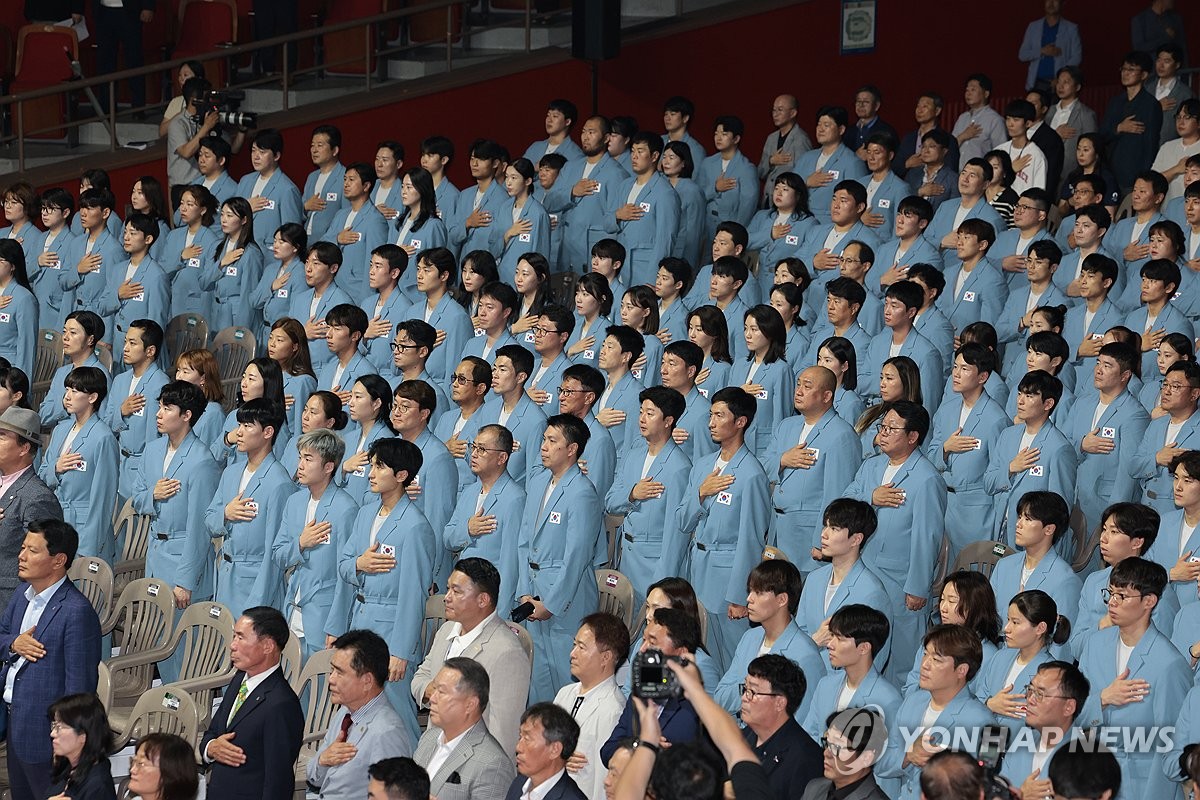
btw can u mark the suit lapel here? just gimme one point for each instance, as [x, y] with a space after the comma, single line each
[254, 700]
[181, 456]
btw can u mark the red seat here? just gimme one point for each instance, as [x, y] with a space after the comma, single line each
[42, 60]
[344, 53]
[205, 25]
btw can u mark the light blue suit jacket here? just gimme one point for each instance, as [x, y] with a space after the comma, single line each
[286, 205]
[581, 219]
[527, 423]
[246, 576]
[904, 548]
[193, 280]
[1104, 476]
[921, 251]
[774, 403]
[536, 241]
[1052, 575]
[874, 691]
[983, 296]
[89, 292]
[1155, 660]
[919, 349]
[505, 502]
[450, 317]
[651, 238]
[801, 495]
[234, 286]
[135, 432]
[943, 221]
[88, 493]
[1166, 551]
[275, 304]
[45, 281]
[185, 557]
[861, 586]
[390, 603]
[331, 193]
[737, 204]
[844, 164]
[969, 508]
[431, 234]
[1156, 480]
[1054, 471]
[51, 411]
[314, 576]
[793, 644]
[489, 237]
[373, 231]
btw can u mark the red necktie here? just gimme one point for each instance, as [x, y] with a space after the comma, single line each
[346, 723]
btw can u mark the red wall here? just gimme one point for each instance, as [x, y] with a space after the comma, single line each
[733, 67]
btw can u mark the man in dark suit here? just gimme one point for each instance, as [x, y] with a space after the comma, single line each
[548, 738]
[119, 27]
[676, 633]
[254, 737]
[23, 496]
[852, 743]
[50, 640]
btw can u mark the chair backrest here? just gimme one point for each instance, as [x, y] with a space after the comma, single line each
[292, 660]
[105, 357]
[1054, 218]
[524, 637]
[104, 685]
[703, 622]
[94, 578]
[162, 709]
[236, 334]
[314, 684]
[47, 359]
[136, 531]
[435, 615]
[1124, 209]
[562, 288]
[40, 56]
[773, 554]
[202, 639]
[185, 332]
[232, 357]
[1085, 542]
[207, 23]
[980, 557]
[144, 614]
[616, 595]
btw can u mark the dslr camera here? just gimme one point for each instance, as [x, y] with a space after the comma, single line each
[227, 105]
[652, 679]
[992, 748]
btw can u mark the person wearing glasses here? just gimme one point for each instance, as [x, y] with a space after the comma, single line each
[824, 243]
[470, 382]
[1138, 678]
[436, 272]
[581, 386]
[1028, 226]
[1054, 698]
[1169, 436]
[163, 768]
[773, 690]
[414, 343]
[550, 334]
[909, 497]
[413, 404]
[851, 745]
[486, 520]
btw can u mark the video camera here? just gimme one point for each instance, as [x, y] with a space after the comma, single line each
[226, 104]
[992, 748]
[652, 679]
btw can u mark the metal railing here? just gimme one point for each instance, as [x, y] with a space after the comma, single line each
[375, 51]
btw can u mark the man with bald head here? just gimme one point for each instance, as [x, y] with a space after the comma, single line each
[785, 144]
[814, 457]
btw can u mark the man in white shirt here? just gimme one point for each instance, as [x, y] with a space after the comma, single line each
[473, 630]
[594, 699]
[462, 759]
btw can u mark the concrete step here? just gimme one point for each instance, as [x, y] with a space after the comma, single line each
[512, 36]
[432, 61]
[96, 133]
[263, 100]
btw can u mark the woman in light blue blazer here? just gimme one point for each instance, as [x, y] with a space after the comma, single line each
[187, 255]
[1033, 625]
[765, 374]
[708, 330]
[288, 345]
[199, 367]
[837, 355]
[528, 223]
[240, 266]
[82, 463]
[273, 295]
[639, 310]
[967, 599]
[778, 232]
[899, 379]
[532, 282]
[788, 300]
[261, 378]
[18, 308]
[323, 411]
[593, 305]
[478, 270]
[420, 228]
[679, 168]
[370, 417]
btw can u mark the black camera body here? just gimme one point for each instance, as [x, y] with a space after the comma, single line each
[651, 678]
[992, 748]
[227, 105]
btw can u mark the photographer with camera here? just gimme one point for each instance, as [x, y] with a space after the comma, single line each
[187, 131]
[670, 635]
[688, 771]
[953, 775]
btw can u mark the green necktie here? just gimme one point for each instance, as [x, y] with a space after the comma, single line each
[243, 692]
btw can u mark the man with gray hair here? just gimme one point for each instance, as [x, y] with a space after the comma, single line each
[316, 522]
[463, 760]
[24, 498]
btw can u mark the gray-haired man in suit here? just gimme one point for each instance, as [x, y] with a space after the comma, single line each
[24, 498]
[464, 762]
